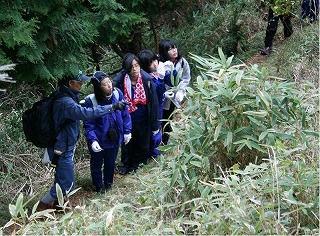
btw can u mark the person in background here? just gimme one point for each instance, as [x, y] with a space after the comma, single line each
[168, 51]
[106, 133]
[149, 62]
[310, 9]
[140, 93]
[273, 21]
[62, 153]
[160, 73]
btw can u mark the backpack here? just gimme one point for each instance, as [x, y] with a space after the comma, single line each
[38, 123]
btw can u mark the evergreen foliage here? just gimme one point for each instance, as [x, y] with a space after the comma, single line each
[45, 39]
[51, 38]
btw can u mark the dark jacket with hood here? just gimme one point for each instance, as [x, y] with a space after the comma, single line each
[152, 105]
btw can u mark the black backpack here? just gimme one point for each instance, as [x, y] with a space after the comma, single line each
[38, 124]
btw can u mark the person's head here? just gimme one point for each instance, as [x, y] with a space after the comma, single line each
[74, 81]
[168, 51]
[102, 85]
[131, 65]
[149, 61]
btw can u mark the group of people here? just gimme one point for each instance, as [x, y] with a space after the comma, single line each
[130, 112]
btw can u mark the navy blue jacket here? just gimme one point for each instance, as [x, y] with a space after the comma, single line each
[68, 108]
[97, 129]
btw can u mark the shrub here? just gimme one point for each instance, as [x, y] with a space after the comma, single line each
[236, 117]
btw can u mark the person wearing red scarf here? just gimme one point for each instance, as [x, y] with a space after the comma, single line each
[139, 92]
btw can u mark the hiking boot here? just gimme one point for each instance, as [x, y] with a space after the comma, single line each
[266, 51]
[44, 206]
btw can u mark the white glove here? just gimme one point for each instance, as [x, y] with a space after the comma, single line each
[169, 95]
[161, 70]
[96, 147]
[127, 138]
[179, 96]
[168, 65]
[155, 132]
[163, 67]
[46, 159]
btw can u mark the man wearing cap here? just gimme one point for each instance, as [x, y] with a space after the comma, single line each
[68, 111]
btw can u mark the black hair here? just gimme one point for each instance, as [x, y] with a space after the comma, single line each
[146, 57]
[164, 47]
[127, 62]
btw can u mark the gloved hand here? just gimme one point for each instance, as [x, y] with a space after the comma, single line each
[54, 161]
[155, 132]
[96, 147]
[164, 68]
[119, 105]
[169, 94]
[127, 138]
[46, 158]
[179, 96]
[161, 70]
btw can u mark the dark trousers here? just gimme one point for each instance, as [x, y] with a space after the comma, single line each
[166, 127]
[273, 25]
[310, 8]
[136, 151]
[107, 159]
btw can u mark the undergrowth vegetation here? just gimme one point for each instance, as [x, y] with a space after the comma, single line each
[242, 159]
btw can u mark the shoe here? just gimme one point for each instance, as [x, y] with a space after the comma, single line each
[44, 206]
[266, 51]
[123, 170]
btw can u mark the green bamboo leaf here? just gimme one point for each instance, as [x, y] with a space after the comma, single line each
[177, 80]
[303, 117]
[263, 98]
[256, 113]
[263, 135]
[19, 203]
[222, 56]
[172, 79]
[235, 92]
[59, 194]
[228, 141]
[217, 132]
[271, 139]
[174, 177]
[256, 146]
[240, 147]
[240, 141]
[257, 122]
[239, 77]
[12, 210]
[196, 163]
[312, 133]
[285, 136]
[200, 82]
[228, 63]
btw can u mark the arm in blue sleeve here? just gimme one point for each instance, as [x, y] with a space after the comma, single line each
[75, 111]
